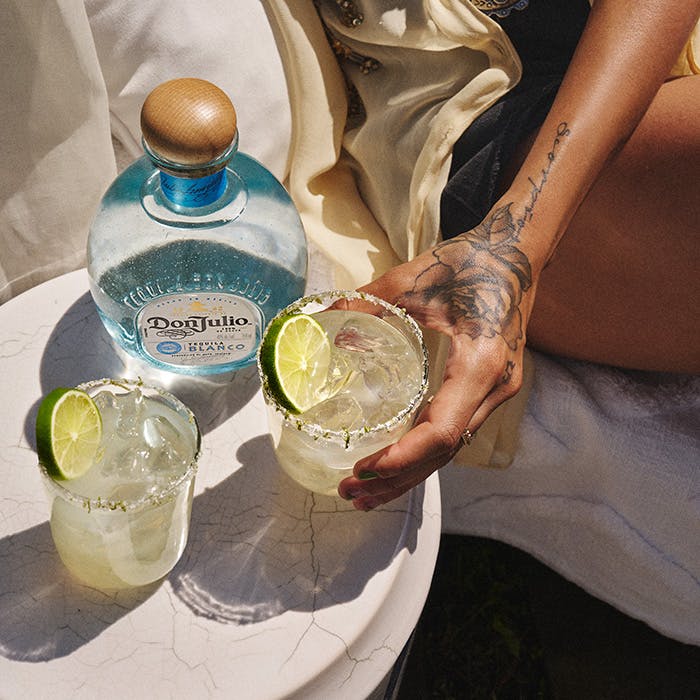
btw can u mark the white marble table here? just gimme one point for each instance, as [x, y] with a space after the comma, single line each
[279, 593]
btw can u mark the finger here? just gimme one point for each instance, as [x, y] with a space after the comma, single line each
[370, 501]
[400, 474]
[498, 395]
[368, 494]
[401, 465]
[436, 435]
[466, 397]
[360, 304]
[360, 298]
[382, 288]
[432, 441]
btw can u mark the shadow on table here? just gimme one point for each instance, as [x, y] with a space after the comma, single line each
[80, 349]
[261, 545]
[258, 547]
[45, 613]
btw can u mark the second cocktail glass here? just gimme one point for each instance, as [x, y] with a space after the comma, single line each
[376, 382]
[125, 522]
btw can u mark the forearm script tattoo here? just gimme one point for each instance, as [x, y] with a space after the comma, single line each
[481, 290]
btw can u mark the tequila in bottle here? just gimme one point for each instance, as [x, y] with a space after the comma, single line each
[195, 246]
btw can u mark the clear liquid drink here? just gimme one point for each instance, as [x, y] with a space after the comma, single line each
[195, 246]
[125, 522]
[376, 382]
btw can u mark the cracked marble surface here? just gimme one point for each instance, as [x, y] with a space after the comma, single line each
[279, 593]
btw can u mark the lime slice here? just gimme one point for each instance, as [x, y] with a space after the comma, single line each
[68, 433]
[295, 356]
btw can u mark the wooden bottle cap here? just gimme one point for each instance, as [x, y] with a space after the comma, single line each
[188, 121]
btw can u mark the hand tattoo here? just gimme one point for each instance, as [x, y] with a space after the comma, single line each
[508, 372]
[480, 290]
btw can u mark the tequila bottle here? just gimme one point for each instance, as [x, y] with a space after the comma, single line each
[195, 246]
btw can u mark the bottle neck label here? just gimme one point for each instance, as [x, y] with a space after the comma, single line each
[193, 192]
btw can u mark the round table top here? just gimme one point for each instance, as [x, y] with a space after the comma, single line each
[279, 593]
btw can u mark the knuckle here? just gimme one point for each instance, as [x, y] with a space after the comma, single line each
[512, 379]
[509, 390]
[514, 387]
[446, 438]
[492, 359]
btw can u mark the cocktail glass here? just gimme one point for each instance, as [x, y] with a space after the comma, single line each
[375, 386]
[125, 522]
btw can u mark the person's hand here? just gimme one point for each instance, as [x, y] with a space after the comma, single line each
[477, 289]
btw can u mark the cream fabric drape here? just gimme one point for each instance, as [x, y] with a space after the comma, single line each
[325, 170]
[393, 214]
[323, 187]
[72, 70]
[57, 155]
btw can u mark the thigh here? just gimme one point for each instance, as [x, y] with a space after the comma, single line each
[623, 287]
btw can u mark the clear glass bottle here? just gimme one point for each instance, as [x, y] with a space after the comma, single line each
[195, 246]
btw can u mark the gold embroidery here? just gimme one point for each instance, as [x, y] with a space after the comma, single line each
[500, 8]
[349, 14]
[351, 17]
[366, 64]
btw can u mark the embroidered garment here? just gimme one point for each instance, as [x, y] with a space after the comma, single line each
[440, 65]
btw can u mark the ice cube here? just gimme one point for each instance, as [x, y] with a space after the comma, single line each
[382, 376]
[152, 432]
[129, 408]
[359, 334]
[105, 401]
[340, 373]
[170, 447]
[134, 462]
[340, 412]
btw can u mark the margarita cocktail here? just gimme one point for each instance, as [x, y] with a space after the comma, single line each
[125, 520]
[343, 375]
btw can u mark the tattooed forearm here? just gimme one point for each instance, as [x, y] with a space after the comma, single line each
[537, 187]
[479, 287]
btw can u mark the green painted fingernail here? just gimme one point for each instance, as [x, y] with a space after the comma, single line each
[365, 476]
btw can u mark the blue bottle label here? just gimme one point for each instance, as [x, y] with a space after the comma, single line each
[193, 192]
[200, 329]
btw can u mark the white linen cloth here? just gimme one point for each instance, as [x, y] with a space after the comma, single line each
[604, 488]
[604, 483]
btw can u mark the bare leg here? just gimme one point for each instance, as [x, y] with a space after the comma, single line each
[623, 287]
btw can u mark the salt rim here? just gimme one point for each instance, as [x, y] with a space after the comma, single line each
[155, 499]
[347, 436]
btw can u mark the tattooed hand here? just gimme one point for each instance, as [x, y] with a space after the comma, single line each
[478, 290]
[472, 288]
[476, 281]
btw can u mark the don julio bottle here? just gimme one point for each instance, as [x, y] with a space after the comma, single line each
[195, 246]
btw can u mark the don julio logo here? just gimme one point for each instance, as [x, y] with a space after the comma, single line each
[180, 328]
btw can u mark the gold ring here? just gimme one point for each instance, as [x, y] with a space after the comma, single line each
[466, 437]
